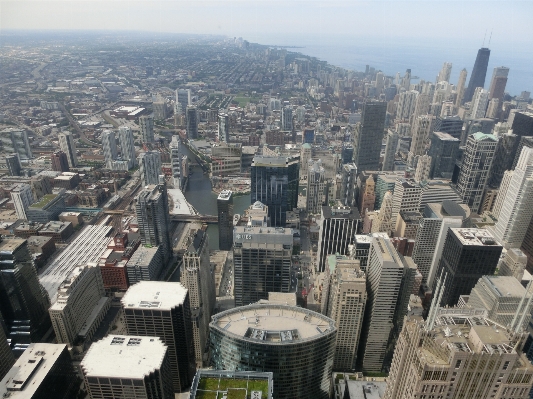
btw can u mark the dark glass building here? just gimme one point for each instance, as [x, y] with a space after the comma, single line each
[467, 255]
[525, 141]
[503, 158]
[191, 115]
[59, 161]
[369, 135]
[479, 73]
[24, 302]
[444, 151]
[523, 124]
[275, 184]
[225, 220]
[296, 345]
[453, 125]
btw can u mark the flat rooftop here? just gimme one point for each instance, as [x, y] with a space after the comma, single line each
[180, 206]
[480, 237]
[155, 295]
[273, 323]
[143, 256]
[11, 245]
[507, 286]
[233, 384]
[124, 356]
[87, 247]
[29, 371]
[225, 195]
[44, 201]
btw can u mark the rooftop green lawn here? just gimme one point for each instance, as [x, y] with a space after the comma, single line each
[209, 384]
[226, 383]
[242, 101]
[44, 201]
[206, 395]
[236, 393]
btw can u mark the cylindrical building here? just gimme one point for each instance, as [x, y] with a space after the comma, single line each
[295, 344]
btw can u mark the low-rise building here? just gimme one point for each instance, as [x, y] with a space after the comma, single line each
[41, 248]
[75, 218]
[48, 208]
[247, 384]
[28, 229]
[59, 231]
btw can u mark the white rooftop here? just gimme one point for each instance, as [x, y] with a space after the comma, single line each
[180, 206]
[270, 319]
[124, 356]
[154, 294]
[474, 236]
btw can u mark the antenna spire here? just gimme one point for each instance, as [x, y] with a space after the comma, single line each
[490, 37]
[484, 37]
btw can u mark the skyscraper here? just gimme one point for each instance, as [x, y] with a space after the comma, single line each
[422, 168]
[295, 344]
[151, 206]
[384, 222]
[305, 157]
[225, 220]
[316, 188]
[468, 254]
[517, 207]
[461, 88]
[368, 135]
[389, 283]
[390, 150]
[477, 359]
[162, 309]
[128, 366]
[431, 233]
[109, 146]
[346, 306]
[81, 303]
[445, 72]
[262, 259]
[406, 105]
[223, 128]
[480, 99]
[348, 195]
[474, 173]
[479, 72]
[42, 371]
[150, 167]
[6, 356]
[68, 146]
[192, 122]
[498, 83]
[523, 124]
[183, 98]
[420, 135]
[146, 123]
[59, 161]
[127, 146]
[22, 197]
[452, 125]
[24, 302]
[274, 182]
[176, 160]
[13, 164]
[444, 151]
[286, 118]
[505, 153]
[198, 278]
[338, 227]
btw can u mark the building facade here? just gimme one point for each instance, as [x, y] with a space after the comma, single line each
[225, 220]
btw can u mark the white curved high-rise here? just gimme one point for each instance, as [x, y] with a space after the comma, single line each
[517, 206]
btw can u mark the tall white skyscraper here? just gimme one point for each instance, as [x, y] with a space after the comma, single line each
[176, 160]
[67, 145]
[286, 118]
[127, 146]
[109, 145]
[461, 88]
[390, 150]
[445, 72]
[502, 191]
[479, 103]
[183, 98]
[406, 104]
[517, 207]
[150, 167]
[423, 167]
[420, 134]
[146, 122]
[22, 197]
[305, 157]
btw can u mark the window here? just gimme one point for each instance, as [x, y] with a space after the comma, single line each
[458, 364]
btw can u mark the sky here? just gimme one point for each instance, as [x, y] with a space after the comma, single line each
[455, 28]
[381, 20]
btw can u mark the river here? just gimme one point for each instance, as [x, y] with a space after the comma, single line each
[204, 200]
